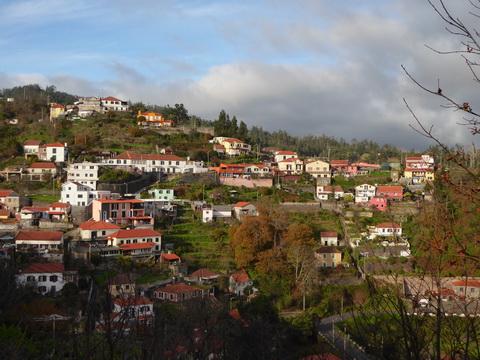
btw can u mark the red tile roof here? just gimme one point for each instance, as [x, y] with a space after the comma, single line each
[136, 201]
[123, 234]
[58, 106]
[177, 289]
[289, 160]
[203, 273]
[111, 98]
[242, 204]
[388, 188]
[388, 225]
[42, 165]
[97, 225]
[285, 153]
[146, 245]
[32, 143]
[329, 234]
[475, 283]
[36, 268]
[4, 193]
[170, 256]
[132, 300]
[57, 144]
[240, 277]
[39, 235]
[328, 250]
[59, 205]
[128, 155]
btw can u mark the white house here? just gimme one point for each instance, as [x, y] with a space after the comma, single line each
[283, 155]
[238, 282]
[216, 211]
[113, 104]
[386, 229]
[47, 278]
[136, 236]
[151, 162]
[39, 240]
[77, 194]
[56, 152]
[326, 192]
[364, 192]
[329, 238]
[84, 173]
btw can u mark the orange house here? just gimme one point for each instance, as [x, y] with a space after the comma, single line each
[152, 119]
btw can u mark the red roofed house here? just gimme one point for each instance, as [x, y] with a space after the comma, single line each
[47, 277]
[135, 237]
[121, 212]
[59, 210]
[204, 276]
[149, 162]
[339, 165]
[328, 256]
[241, 209]
[329, 238]
[230, 170]
[39, 240]
[113, 104]
[152, 119]
[233, 147]
[386, 229]
[219, 149]
[283, 155]
[132, 311]
[56, 152]
[178, 293]
[140, 249]
[170, 259]
[467, 288]
[37, 170]
[238, 282]
[96, 230]
[390, 192]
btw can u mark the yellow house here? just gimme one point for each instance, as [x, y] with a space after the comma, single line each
[152, 119]
[318, 169]
[56, 110]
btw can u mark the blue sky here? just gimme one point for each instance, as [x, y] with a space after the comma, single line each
[306, 66]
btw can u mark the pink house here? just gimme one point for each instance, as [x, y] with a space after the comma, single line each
[379, 203]
[121, 212]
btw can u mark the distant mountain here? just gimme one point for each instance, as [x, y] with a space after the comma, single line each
[35, 92]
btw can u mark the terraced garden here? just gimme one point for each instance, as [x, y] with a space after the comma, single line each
[201, 245]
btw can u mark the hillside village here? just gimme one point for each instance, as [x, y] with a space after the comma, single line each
[156, 228]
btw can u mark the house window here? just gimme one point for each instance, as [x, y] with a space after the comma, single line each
[333, 256]
[42, 278]
[30, 278]
[324, 256]
[42, 289]
[53, 278]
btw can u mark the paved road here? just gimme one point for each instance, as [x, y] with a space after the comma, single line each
[337, 339]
